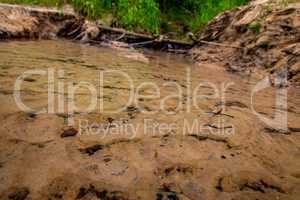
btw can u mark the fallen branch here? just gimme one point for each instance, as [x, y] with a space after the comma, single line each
[219, 44]
[180, 42]
[142, 43]
[179, 51]
[122, 31]
[146, 39]
[119, 38]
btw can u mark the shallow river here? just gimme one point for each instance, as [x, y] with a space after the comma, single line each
[80, 121]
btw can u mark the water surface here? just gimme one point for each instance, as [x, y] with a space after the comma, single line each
[138, 162]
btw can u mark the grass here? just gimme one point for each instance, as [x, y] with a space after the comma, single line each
[196, 14]
[152, 16]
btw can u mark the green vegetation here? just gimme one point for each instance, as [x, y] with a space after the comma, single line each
[194, 14]
[255, 26]
[154, 16]
[139, 13]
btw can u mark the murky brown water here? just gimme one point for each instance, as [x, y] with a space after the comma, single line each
[165, 143]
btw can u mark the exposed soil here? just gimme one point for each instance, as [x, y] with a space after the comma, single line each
[261, 37]
[19, 22]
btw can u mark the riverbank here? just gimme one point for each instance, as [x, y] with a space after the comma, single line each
[262, 37]
[19, 22]
[172, 18]
[25, 22]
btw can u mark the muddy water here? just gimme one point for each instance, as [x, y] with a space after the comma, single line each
[159, 127]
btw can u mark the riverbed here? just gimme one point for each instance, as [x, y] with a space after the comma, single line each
[86, 122]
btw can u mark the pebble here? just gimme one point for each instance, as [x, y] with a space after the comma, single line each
[69, 133]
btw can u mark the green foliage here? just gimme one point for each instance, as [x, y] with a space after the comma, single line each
[268, 8]
[141, 13]
[194, 14]
[132, 14]
[255, 26]
[90, 8]
[155, 16]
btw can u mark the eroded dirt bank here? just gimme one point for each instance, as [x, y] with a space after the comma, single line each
[262, 36]
[19, 22]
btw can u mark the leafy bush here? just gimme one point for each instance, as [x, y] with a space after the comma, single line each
[90, 8]
[196, 13]
[131, 13]
[142, 13]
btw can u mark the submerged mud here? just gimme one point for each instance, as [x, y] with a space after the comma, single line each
[234, 155]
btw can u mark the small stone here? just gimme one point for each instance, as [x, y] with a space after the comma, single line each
[92, 149]
[29, 79]
[292, 50]
[20, 194]
[233, 69]
[110, 120]
[132, 109]
[32, 115]
[289, 50]
[263, 42]
[107, 159]
[69, 133]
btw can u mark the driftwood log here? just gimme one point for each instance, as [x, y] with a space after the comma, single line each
[141, 40]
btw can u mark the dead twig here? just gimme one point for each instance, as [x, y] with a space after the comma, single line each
[219, 44]
[119, 38]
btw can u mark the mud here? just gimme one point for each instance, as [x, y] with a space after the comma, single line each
[246, 162]
[24, 22]
[262, 37]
